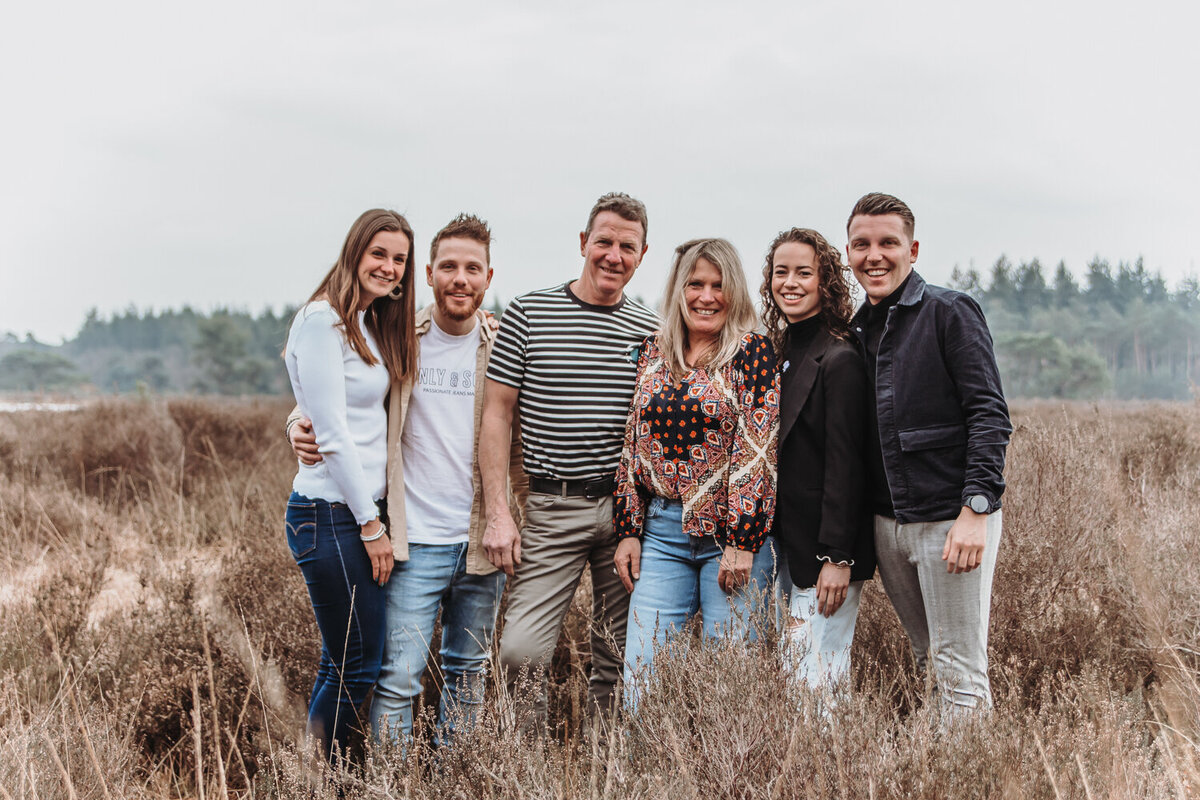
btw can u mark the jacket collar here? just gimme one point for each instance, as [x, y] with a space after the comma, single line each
[424, 320]
[799, 385]
[914, 292]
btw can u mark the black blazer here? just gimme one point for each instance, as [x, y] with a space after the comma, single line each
[822, 504]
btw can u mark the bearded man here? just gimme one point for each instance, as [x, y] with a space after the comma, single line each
[436, 507]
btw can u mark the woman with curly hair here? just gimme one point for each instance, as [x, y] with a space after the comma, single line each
[823, 521]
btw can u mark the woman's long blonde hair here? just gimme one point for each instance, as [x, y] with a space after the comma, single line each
[740, 317]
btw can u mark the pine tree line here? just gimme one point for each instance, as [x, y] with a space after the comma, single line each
[222, 352]
[1120, 333]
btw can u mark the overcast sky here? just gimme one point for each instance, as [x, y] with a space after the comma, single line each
[158, 154]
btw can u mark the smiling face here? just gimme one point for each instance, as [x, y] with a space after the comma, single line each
[881, 253]
[611, 252]
[382, 265]
[459, 276]
[705, 302]
[795, 280]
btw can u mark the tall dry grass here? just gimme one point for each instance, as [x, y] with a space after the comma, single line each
[156, 639]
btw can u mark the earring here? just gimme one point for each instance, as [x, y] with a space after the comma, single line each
[397, 292]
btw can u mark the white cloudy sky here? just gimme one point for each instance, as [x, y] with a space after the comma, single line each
[155, 154]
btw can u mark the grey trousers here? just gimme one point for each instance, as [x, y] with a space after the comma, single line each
[946, 615]
[561, 537]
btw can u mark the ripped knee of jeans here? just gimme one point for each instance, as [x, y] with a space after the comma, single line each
[967, 699]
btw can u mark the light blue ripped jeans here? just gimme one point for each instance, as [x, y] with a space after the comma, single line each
[679, 578]
[435, 579]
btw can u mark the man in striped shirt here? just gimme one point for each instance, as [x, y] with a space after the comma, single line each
[564, 366]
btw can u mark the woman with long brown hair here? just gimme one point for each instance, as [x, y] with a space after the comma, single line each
[346, 347]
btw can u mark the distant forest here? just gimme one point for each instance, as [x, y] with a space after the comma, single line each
[1117, 333]
[1113, 333]
[222, 352]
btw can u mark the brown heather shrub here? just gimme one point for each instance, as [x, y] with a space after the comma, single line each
[1060, 601]
[262, 588]
[882, 659]
[163, 644]
[121, 538]
[120, 449]
[146, 564]
[716, 723]
[108, 449]
[231, 431]
[66, 750]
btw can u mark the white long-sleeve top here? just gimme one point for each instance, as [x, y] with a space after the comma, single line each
[344, 398]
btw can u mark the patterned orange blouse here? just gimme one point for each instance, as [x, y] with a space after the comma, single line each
[709, 442]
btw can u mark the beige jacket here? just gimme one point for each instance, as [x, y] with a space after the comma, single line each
[477, 562]
[518, 488]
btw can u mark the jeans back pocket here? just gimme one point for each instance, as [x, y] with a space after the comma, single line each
[301, 525]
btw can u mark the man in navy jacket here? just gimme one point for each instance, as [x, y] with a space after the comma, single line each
[939, 427]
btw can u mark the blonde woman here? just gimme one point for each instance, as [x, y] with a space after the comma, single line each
[696, 485]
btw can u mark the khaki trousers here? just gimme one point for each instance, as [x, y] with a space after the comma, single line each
[562, 535]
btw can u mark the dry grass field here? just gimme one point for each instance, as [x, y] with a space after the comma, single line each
[156, 638]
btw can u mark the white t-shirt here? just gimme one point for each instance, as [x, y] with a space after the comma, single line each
[343, 397]
[438, 440]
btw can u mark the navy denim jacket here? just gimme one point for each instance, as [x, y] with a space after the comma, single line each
[943, 422]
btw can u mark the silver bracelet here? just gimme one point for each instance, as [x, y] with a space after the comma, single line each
[287, 429]
[382, 532]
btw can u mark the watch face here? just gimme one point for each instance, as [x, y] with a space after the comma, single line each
[979, 504]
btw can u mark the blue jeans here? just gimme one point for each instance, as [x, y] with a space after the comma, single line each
[679, 578]
[349, 607]
[435, 576]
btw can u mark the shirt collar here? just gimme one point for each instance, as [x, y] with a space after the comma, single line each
[424, 321]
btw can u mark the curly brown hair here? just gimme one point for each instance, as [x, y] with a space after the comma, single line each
[837, 304]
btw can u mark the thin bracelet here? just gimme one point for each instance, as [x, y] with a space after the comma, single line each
[382, 532]
[287, 429]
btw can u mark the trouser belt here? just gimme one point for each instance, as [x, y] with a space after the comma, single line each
[592, 490]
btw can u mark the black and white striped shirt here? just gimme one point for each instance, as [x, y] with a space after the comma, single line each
[575, 365]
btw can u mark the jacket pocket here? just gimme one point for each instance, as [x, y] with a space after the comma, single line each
[954, 435]
[935, 460]
[301, 525]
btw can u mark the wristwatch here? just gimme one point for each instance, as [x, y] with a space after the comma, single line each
[979, 504]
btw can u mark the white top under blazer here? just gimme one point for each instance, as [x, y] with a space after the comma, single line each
[344, 398]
